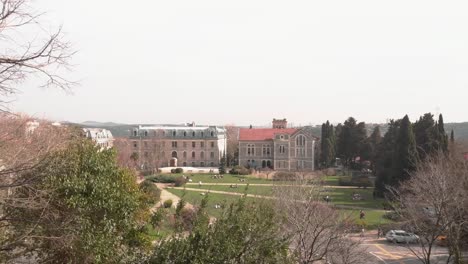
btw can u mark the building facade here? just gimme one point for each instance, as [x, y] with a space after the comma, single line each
[102, 137]
[178, 146]
[279, 148]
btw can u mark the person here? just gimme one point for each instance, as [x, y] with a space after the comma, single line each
[379, 232]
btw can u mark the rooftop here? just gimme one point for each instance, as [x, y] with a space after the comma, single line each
[259, 134]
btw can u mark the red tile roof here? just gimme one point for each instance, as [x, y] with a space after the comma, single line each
[259, 134]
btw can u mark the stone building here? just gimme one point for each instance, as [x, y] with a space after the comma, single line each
[178, 146]
[102, 137]
[279, 148]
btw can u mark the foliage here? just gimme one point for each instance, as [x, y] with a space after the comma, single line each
[239, 170]
[328, 145]
[179, 181]
[152, 193]
[86, 208]
[158, 216]
[168, 203]
[163, 179]
[245, 233]
[177, 170]
[284, 176]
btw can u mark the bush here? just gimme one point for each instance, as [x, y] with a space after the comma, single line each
[186, 218]
[239, 170]
[167, 203]
[179, 170]
[222, 170]
[157, 217]
[179, 181]
[152, 192]
[392, 216]
[284, 176]
[162, 179]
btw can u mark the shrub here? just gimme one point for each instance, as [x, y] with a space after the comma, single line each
[157, 217]
[186, 218]
[284, 176]
[162, 179]
[239, 170]
[179, 170]
[179, 181]
[392, 216]
[173, 171]
[222, 170]
[152, 192]
[167, 203]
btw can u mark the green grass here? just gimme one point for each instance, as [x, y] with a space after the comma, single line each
[227, 178]
[195, 199]
[372, 220]
[258, 190]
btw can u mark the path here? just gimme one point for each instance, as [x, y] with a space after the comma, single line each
[263, 196]
[271, 185]
[165, 195]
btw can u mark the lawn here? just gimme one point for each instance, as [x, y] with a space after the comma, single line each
[227, 178]
[339, 196]
[372, 219]
[195, 199]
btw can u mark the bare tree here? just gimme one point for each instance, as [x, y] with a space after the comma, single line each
[232, 151]
[43, 55]
[434, 201]
[318, 232]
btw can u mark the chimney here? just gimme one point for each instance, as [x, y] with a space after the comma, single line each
[280, 123]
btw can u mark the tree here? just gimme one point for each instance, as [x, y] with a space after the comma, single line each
[351, 138]
[384, 160]
[44, 55]
[244, 233]
[405, 155]
[80, 208]
[232, 148]
[317, 231]
[434, 202]
[327, 145]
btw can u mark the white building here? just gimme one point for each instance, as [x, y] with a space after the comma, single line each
[102, 137]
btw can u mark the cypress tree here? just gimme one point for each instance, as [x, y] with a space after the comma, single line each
[452, 137]
[405, 157]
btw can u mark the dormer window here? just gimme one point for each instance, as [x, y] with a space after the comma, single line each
[146, 133]
[173, 133]
[135, 133]
[185, 133]
[212, 133]
[193, 134]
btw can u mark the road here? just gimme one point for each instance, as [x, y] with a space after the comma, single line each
[384, 252]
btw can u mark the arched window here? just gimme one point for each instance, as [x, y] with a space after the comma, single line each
[269, 164]
[211, 164]
[193, 154]
[194, 164]
[174, 133]
[300, 141]
[185, 133]
[174, 154]
[250, 150]
[263, 164]
[185, 154]
[212, 133]
[185, 164]
[146, 133]
[193, 134]
[202, 155]
[135, 133]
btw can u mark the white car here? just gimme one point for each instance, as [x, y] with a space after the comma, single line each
[400, 236]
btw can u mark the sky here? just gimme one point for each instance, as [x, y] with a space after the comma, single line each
[247, 62]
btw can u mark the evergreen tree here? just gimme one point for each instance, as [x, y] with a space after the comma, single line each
[405, 157]
[442, 136]
[452, 137]
[384, 157]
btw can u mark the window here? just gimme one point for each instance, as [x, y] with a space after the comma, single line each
[300, 141]
[193, 144]
[282, 149]
[135, 144]
[212, 133]
[202, 134]
[250, 150]
[212, 144]
[174, 144]
[212, 155]
[193, 134]
[194, 164]
[146, 133]
[193, 154]
[174, 133]
[266, 150]
[185, 164]
[202, 164]
[185, 133]
[174, 154]
[135, 133]
[202, 144]
[211, 164]
[202, 155]
[184, 154]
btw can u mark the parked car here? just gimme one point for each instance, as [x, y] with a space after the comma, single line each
[400, 236]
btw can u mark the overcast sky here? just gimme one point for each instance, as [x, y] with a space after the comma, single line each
[246, 62]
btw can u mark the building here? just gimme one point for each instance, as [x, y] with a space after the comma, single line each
[178, 146]
[102, 137]
[279, 148]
